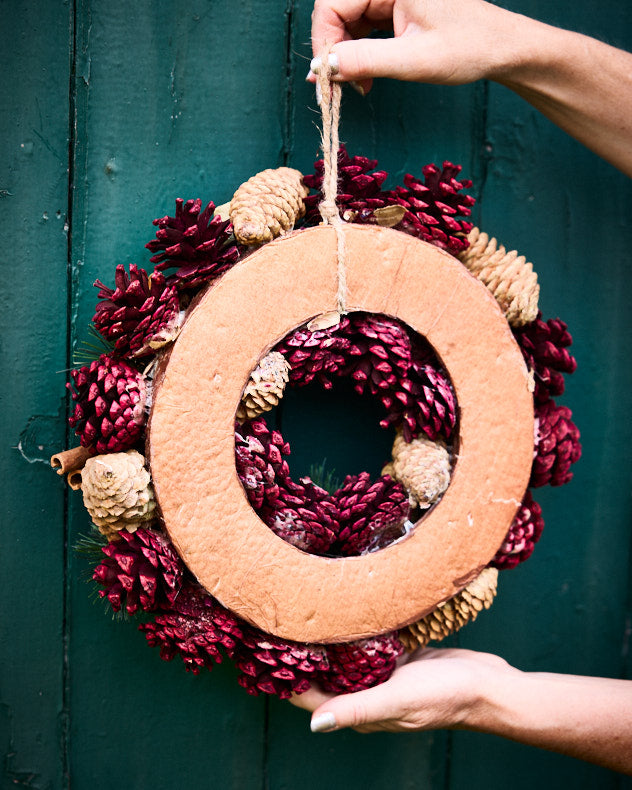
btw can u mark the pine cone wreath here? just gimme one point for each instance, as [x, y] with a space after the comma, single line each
[140, 315]
[117, 492]
[371, 514]
[110, 399]
[141, 571]
[423, 467]
[196, 631]
[507, 275]
[267, 205]
[195, 243]
[544, 347]
[271, 665]
[523, 534]
[557, 445]
[265, 386]
[454, 613]
[360, 665]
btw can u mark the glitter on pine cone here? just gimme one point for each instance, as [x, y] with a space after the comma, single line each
[434, 207]
[321, 354]
[557, 445]
[270, 665]
[259, 461]
[524, 533]
[359, 190]
[140, 571]
[110, 401]
[195, 243]
[360, 665]
[304, 515]
[372, 515]
[544, 347]
[195, 630]
[140, 315]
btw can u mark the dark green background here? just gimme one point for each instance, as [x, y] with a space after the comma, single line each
[108, 112]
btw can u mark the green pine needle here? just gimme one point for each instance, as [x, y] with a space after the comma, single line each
[90, 349]
[323, 477]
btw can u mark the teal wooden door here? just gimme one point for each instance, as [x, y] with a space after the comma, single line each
[108, 112]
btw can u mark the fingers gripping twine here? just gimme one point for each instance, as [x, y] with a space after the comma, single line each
[330, 109]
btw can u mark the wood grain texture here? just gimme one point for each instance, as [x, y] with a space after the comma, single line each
[185, 100]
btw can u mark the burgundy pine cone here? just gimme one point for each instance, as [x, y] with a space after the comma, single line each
[557, 445]
[139, 314]
[259, 461]
[360, 665]
[198, 245]
[544, 346]
[110, 400]
[140, 571]
[524, 533]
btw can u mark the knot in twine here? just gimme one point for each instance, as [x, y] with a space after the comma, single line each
[330, 93]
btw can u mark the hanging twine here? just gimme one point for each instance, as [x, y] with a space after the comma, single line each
[330, 108]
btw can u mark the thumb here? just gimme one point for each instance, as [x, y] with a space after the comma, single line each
[350, 710]
[366, 58]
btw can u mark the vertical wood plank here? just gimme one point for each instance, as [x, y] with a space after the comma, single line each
[33, 200]
[173, 100]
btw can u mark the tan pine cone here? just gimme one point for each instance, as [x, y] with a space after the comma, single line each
[454, 613]
[267, 205]
[507, 275]
[265, 386]
[422, 467]
[117, 491]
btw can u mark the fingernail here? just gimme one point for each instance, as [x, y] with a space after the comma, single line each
[319, 95]
[357, 87]
[310, 74]
[323, 722]
[332, 60]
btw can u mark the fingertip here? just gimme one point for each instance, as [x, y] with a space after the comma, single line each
[323, 722]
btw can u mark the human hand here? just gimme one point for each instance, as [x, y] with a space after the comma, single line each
[448, 42]
[430, 689]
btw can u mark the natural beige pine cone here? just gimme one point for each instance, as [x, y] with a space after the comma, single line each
[453, 614]
[508, 276]
[117, 491]
[422, 467]
[265, 386]
[267, 205]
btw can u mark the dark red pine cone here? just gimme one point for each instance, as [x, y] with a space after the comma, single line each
[259, 461]
[434, 207]
[110, 401]
[523, 534]
[359, 190]
[140, 314]
[196, 630]
[544, 347]
[193, 242]
[140, 571]
[371, 514]
[270, 665]
[361, 665]
[304, 515]
[557, 445]
[320, 354]
[380, 352]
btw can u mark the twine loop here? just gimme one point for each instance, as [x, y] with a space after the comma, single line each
[330, 94]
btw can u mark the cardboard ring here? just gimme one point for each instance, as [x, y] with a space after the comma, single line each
[233, 554]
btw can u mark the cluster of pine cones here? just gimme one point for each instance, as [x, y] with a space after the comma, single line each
[143, 312]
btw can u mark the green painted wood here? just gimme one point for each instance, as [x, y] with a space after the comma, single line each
[33, 203]
[185, 100]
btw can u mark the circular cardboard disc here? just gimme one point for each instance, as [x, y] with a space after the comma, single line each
[233, 554]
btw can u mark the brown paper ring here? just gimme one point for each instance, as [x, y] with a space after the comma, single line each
[233, 554]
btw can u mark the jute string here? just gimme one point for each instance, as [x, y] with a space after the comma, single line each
[330, 108]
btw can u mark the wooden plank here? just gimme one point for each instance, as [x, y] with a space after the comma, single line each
[33, 197]
[173, 101]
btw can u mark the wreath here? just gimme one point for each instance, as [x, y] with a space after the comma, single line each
[138, 570]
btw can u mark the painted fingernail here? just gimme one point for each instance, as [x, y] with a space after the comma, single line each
[332, 60]
[323, 722]
[310, 75]
[357, 87]
[319, 95]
